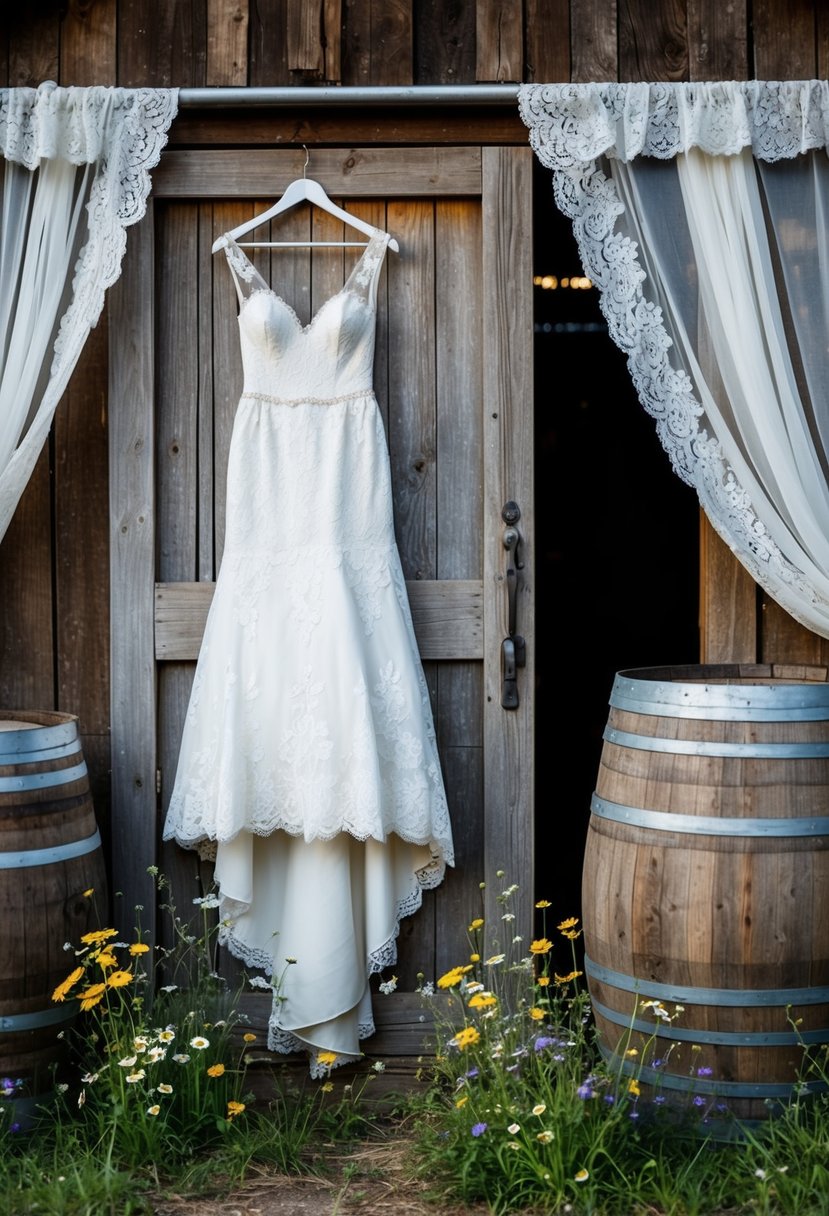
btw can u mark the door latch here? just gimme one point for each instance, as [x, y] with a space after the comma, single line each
[513, 647]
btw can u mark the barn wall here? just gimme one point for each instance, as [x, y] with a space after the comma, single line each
[54, 607]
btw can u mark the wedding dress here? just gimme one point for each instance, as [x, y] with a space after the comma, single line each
[308, 753]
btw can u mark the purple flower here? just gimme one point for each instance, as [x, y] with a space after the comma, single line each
[585, 1090]
[704, 1072]
[478, 1129]
[543, 1041]
[609, 1099]
[659, 1099]
[473, 1072]
[634, 1114]
[699, 1101]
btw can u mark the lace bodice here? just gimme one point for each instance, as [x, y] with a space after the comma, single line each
[331, 357]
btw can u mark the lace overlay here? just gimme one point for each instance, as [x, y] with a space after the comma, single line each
[577, 131]
[309, 761]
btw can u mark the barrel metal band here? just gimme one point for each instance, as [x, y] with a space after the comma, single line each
[71, 748]
[726, 1038]
[706, 1085]
[699, 747]
[707, 825]
[47, 857]
[34, 1021]
[40, 780]
[706, 996]
[35, 739]
[723, 702]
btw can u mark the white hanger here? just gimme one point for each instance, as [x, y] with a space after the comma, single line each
[303, 189]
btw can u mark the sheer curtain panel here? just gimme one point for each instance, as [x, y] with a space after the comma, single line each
[75, 175]
[701, 214]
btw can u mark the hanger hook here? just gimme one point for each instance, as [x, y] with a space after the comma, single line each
[307, 158]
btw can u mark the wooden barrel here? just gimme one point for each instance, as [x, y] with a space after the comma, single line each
[706, 882]
[50, 854]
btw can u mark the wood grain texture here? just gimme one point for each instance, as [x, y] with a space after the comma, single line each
[378, 42]
[313, 39]
[718, 40]
[267, 43]
[350, 127]
[88, 48]
[728, 603]
[162, 43]
[784, 39]
[785, 640]
[132, 572]
[652, 40]
[508, 474]
[594, 41]
[350, 172]
[547, 38]
[444, 42]
[499, 42]
[227, 43]
[33, 45]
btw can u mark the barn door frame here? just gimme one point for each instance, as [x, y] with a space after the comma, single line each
[503, 182]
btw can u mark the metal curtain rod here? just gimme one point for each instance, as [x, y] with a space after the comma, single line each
[348, 95]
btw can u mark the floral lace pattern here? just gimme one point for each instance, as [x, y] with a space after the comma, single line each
[571, 127]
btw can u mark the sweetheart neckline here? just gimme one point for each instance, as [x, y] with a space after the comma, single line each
[303, 329]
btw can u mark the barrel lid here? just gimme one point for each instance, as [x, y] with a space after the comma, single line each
[658, 692]
[41, 732]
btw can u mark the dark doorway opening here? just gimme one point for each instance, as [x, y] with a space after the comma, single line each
[617, 547]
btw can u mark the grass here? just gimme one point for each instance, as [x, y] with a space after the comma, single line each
[518, 1110]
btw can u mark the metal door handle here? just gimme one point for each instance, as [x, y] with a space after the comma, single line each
[513, 647]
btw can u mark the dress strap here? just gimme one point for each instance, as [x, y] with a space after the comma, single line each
[246, 278]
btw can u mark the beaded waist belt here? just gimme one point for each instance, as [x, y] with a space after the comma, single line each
[270, 400]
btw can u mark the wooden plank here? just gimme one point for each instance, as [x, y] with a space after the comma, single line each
[784, 35]
[162, 43]
[27, 677]
[88, 49]
[547, 39]
[822, 41]
[207, 260]
[593, 41]
[717, 40]
[508, 474]
[313, 39]
[378, 42]
[728, 603]
[653, 40]
[132, 573]
[348, 125]
[33, 45]
[352, 172]
[447, 616]
[227, 43]
[785, 640]
[444, 42]
[499, 39]
[267, 44]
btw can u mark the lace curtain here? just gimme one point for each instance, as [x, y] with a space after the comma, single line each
[75, 175]
[701, 214]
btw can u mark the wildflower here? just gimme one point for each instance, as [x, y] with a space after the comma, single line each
[760, 1173]
[156, 1053]
[632, 1052]
[542, 945]
[699, 1101]
[581, 1176]
[452, 978]
[139, 1043]
[82, 1098]
[88, 892]
[508, 916]
[326, 1058]
[536, 1014]
[543, 903]
[633, 1087]
[565, 979]
[89, 1078]
[169, 988]
[542, 1042]
[476, 924]
[287, 960]
[234, 1109]
[257, 981]
[199, 1042]
[543, 981]
[119, 979]
[462, 1101]
[105, 959]
[207, 901]
[482, 1000]
[494, 960]
[164, 1088]
[478, 1129]
[180, 1058]
[388, 986]
[92, 996]
[474, 958]
[216, 1070]
[465, 1038]
[249, 1038]
[571, 934]
[166, 1036]
[154, 1110]
[585, 1090]
[539, 1108]
[328, 1087]
[139, 948]
[128, 1062]
[570, 923]
[705, 1072]
[62, 989]
[545, 1137]
[133, 1077]
[378, 1066]
[97, 936]
[514, 1128]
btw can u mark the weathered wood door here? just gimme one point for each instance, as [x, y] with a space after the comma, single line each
[453, 375]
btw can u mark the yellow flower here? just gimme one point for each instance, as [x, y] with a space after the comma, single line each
[539, 1108]
[326, 1057]
[132, 1078]
[545, 1137]
[466, 1037]
[543, 981]
[571, 934]
[494, 960]
[632, 1051]
[166, 1036]
[98, 935]
[454, 977]
[90, 997]
[328, 1087]
[536, 1014]
[106, 959]
[249, 1038]
[234, 1109]
[566, 979]
[543, 945]
[570, 923]
[581, 1176]
[216, 1070]
[633, 1088]
[482, 1000]
[543, 903]
[119, 979]
[476, 924]
[154, 1110]
[462, 1101]
[139, 948]
[62, 989]
[474, 958]
[89, 891]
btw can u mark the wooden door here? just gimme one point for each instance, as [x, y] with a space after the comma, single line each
[453, 375]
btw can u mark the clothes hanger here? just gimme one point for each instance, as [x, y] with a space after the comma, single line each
[302, 189]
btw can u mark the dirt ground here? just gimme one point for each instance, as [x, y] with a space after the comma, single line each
[371, 1180]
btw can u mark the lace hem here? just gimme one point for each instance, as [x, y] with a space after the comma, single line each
[572, 125]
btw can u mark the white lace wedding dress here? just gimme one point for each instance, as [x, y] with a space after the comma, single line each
[308, 754]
